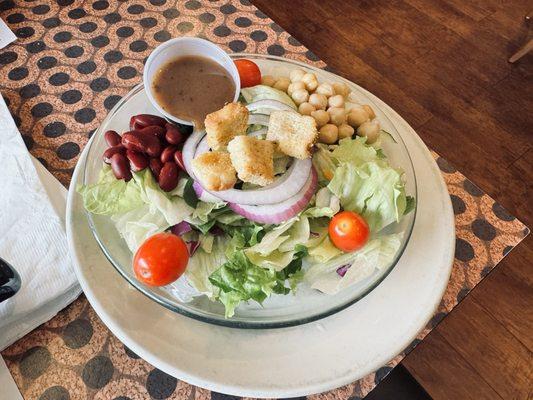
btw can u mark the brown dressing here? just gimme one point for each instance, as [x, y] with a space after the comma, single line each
[191, 87]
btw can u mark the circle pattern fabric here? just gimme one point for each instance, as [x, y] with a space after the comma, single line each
[72, 62]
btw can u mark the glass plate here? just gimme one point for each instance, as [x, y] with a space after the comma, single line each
[306, 304]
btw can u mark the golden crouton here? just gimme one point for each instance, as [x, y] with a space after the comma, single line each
[214, 170]
[295, 134]
[253, 159]
[223, 125]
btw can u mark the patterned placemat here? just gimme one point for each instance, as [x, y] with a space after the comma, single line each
[72, 62]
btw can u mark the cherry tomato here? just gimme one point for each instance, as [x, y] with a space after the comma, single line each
[248, 72]
[348, 231]
[161, 259]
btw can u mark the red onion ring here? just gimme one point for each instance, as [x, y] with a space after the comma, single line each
[277, 213]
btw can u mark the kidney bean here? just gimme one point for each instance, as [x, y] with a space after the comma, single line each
[120, 167]
[168, 177]
[178, 159]
[173, 134]
[112, 138]
[155, 167]
[111, 151]
[168, 154]
[138, 161]
[143, 120]
[141, 143]
[154, 130]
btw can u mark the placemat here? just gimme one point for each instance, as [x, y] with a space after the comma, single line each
[72, 62]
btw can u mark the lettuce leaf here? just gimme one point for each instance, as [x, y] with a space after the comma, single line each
[262, 92]
[374, 190]
[377, 254]
[137, 225]
[354, 151]
[109, 195]
[203, 264]
[240, 280]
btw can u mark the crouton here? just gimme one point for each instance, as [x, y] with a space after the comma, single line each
[214, 170]
[253, 159]
[295, 134]
[223, 125]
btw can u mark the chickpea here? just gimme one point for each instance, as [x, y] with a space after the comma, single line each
[321, 117]
[306, 108]
[311, 83]
[341, 88]
[370, 111]
[295, 86]
[296, 75]
[345, 131]
[282, 84]
[326, 89]
[300, 96]
[328, 134]
[371, 130]
[337, 115]
[336, 101]
[268, 80]
[357, 116]
[318, 100]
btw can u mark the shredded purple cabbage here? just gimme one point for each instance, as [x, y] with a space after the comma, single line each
[216, 230]
[181, 228]
[192, 246]
[342, 270]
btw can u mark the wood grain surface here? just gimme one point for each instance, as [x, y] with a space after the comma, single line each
[442, 64]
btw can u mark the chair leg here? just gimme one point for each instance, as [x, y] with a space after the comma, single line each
[522, 51]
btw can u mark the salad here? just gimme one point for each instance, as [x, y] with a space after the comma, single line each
[287, 187]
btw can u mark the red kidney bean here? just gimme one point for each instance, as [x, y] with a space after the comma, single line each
[141, 143]
[112, 138]
[154, 130]
[138, 161]
[143, 120]
[168, 154]
[111, 151]
[155, 167]
[178, 159]
[168, 177]
[120, 167]
[173, 134]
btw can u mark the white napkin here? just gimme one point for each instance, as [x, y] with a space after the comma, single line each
[32, 237]
[6, 36]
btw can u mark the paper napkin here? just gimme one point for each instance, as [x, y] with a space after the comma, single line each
[32, 237]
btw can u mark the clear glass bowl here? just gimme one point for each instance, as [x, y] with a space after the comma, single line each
[306, 304]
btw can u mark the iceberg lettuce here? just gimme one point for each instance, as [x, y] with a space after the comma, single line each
[263, 92]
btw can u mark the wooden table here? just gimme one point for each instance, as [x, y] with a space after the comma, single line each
[443, 66]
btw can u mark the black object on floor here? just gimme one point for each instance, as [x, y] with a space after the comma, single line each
[398, 385]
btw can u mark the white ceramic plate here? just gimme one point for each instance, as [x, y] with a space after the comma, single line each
[286, 362]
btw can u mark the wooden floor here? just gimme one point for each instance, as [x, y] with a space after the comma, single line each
[442, 64]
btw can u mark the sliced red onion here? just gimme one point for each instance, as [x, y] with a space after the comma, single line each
[268, 104]
[203, 194]
[277, 213]
[284, 187]
[258, 119]
[192, 246]
[181, 228]
[342, 270]
[314, 234]
[189, 150]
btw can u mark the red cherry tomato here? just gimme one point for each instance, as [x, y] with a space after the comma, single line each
[248, 72]
[161, 259]
[348, 231]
